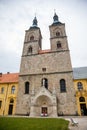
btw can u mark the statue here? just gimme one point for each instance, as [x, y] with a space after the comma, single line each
[43, 82]
[54, 91]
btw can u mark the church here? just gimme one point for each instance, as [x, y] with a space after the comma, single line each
[46, 85]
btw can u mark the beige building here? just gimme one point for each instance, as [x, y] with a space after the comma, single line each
[46, 76]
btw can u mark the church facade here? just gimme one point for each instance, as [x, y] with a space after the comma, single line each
[46, 76]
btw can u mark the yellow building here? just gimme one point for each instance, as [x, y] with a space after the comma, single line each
[8, 93]
[80, 84]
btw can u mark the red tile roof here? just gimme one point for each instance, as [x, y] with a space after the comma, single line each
[44, 51]
[9, 78]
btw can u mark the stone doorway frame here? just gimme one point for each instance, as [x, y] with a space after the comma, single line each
[43, 98]
[44, 111]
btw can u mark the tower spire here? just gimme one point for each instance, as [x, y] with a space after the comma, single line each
[55, 17]
[35, 22]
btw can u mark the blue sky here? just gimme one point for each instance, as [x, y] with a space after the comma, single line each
[16, 16]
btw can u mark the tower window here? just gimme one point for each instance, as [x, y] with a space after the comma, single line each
[13, 90]
[32, 38]
[57, 33]
[30, 50]
[82, 99]
[80, 86]
[26, 87]
[59, 45]
[44, 83]
[62, 85]
[44, 69]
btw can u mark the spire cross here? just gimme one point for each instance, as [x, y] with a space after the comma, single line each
[35, 14]
[54, 11]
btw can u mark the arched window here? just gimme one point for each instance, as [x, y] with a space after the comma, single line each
[57, 33]
[13, 90]
[30, 50]
[82, 99]
[44, 83]
[59, 45]
[26, 87]
[79, 85]
[11, 100]
[32, 38]
[62, 85]
[2, 90]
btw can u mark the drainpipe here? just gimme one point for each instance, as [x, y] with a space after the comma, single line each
[5, 99]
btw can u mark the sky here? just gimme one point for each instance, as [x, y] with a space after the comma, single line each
[16, 16]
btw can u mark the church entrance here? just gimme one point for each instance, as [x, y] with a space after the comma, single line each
[44, 111]
[43, 104]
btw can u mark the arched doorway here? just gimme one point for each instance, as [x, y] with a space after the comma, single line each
[44, 105]
[83, 106]
[10, 110]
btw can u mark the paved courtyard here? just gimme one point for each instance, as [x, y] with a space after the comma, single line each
[82, 123]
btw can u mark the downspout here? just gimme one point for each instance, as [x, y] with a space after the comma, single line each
[5, 99]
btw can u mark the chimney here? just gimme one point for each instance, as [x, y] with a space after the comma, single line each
[0, 74]
[8, 72]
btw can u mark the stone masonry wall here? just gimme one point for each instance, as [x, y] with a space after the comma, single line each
[66, 101]
[53, 62]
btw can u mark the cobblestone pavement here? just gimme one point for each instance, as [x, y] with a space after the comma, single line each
[82, 123]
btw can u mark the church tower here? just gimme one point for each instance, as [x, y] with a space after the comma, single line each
[32, 42]
[46, 79]
[58, 38]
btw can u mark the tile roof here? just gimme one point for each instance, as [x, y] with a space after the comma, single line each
[9, 77]
[44, 51]
[80, 73]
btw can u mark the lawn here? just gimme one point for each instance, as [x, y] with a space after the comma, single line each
[14, 123]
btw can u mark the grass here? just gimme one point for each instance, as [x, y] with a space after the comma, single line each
[14, 123]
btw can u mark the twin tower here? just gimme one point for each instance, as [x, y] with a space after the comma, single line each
[33, 37]
[46, 79]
